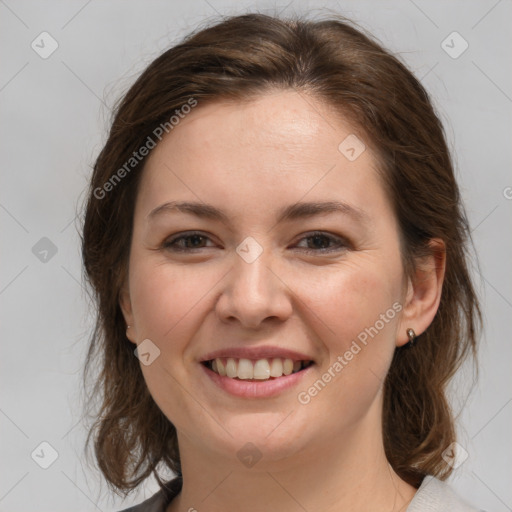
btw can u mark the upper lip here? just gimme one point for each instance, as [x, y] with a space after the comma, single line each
[264, 352]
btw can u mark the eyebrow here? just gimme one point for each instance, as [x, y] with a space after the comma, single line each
[292, 212]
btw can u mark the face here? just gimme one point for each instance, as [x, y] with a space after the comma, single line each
[290, 250]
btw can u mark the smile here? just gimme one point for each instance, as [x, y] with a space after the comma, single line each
[256, 378]
[256, 370]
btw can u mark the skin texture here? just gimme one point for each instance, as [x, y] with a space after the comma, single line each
[252, 159]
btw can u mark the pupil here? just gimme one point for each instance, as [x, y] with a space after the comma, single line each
[194, 238]
[320, 238]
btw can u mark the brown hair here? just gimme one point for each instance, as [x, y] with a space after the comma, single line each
[239, 58]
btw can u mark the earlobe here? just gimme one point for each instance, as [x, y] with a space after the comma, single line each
[126, 308]
[423, 293]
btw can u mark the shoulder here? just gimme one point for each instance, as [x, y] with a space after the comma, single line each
[437, 496]
[432, 496]
[159, 501]
[156, 503]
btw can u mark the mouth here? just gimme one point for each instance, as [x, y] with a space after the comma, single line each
[256, 370]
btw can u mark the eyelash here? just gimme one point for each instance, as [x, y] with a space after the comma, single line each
[342, 243]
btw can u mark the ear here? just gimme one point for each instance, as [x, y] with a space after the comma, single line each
[423, 292]
[126, 308]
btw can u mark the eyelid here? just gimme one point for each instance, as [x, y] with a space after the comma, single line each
[342, 243]
[167, 243]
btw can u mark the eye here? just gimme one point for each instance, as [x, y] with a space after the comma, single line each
[316, 242]
[319, 241]
[186, 242]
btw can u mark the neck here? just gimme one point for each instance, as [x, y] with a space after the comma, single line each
[351, 473]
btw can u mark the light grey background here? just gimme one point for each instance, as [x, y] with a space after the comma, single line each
[54, 115]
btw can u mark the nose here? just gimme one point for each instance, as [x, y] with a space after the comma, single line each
[253, 294]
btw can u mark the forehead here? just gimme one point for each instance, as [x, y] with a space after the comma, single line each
[272, 149]
[278, 122]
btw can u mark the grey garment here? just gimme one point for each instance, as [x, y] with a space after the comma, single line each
[160, 500]
[432, 496]
[157, 503]
[437, 496]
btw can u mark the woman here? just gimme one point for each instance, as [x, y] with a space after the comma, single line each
[277, 247]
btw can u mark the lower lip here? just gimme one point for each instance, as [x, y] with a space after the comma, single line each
[256, 389]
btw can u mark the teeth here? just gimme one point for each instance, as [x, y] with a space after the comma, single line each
[231, 368]
[287, 366]
[262, 369]
[245, 369]
[221, 368]
[276, 370]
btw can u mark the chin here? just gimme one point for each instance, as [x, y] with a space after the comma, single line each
[268, 437]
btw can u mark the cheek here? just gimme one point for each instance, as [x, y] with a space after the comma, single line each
[359, 309]
[166, 302]
[350, 299]
[165, 298]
